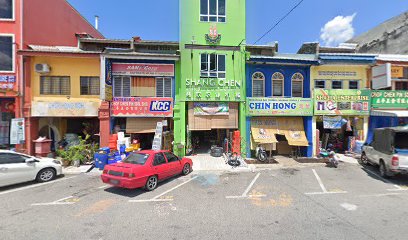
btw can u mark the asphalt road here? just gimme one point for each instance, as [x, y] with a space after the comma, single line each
[297, 203]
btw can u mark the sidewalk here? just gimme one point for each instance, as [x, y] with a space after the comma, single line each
[205, 162]
[78, 170]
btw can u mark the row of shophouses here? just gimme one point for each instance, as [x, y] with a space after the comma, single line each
[203, 88]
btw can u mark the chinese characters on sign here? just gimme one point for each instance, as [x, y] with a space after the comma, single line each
[213, 89]
[389, 99]
[142, 107]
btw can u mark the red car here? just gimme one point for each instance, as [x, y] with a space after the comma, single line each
[145, 169]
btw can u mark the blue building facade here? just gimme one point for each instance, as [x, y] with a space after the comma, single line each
[278, 80]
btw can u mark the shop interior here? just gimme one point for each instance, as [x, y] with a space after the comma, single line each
[341, 137]
[202, 141]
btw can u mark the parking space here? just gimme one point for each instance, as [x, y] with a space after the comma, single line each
[290, 196]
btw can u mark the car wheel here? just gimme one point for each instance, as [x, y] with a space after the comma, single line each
[383, 170]
[151, 183]
[363, 159]
[46, 175]
[186, 169]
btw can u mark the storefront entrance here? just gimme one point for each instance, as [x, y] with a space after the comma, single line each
[209, 124]
[7, 107]
[339, 132]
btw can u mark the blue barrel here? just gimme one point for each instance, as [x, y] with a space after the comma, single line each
[106, 149]
[101, 159]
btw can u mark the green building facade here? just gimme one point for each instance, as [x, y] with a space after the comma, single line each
[210, 89]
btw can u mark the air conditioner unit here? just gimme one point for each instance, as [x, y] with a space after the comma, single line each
[42, 68]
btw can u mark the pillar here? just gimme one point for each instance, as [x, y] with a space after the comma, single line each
[180, 127]
[104, 124]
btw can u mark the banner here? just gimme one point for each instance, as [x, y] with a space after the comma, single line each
[332, 122]
[264, 129]
[211, 109]
[389, 99]
[17, 134]
[142, 107]
[7, 82]
[342, 102]
[143, 69]
[280, 106]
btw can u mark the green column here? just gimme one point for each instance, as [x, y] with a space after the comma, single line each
[180, 126]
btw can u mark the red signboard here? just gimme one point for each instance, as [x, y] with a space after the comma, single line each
[143, 69]
[142, 107]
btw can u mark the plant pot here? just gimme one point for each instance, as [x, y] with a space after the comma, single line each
[66, 163]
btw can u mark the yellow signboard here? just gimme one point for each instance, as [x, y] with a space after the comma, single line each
[397, 72]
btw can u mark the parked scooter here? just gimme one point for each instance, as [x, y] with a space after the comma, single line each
[329, 154]
[261, 154]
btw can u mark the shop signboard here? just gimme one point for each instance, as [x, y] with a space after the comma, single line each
[64, 109]
[143, 69]
[213, 89]
[280, 107]
[7, 82]
[142, 107]
[17, 135]
[397, 72]
[342, 102]
[211, 109]
[389, 99]
[381, 76]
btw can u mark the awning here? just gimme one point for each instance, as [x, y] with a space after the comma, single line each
[142, 125]
[390, 113]
[264, 130]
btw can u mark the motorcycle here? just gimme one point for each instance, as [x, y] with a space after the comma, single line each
[261, 154]
[330, 156]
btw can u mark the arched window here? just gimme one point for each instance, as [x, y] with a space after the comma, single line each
[258, 85]
[297, 85]
[277, 84]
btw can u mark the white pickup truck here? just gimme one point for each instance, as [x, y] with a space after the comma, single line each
[388, 150]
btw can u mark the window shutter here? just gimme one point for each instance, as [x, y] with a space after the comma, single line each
[297, 89]
[277, 87]
[257, 88]
[126, 87]
[159, 87]
[117, 86]
[167, 87]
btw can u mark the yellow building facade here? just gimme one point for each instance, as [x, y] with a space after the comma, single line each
[65, 96]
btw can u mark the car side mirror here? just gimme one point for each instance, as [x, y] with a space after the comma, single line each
[31, 160]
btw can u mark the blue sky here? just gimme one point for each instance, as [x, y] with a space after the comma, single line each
[158, 19]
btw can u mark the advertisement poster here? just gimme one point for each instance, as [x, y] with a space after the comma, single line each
[332, 122]
[142, 107]
[280, 106]
[17, 133]
[211, 109]
[389, 99]
[342, 102]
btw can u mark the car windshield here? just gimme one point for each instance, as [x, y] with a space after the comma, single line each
[136, 158]
[401, 140]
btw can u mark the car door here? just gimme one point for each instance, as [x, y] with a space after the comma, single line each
[160, 166]
[174, 163]
[14, 169]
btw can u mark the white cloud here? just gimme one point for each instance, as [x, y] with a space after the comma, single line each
[338, 30]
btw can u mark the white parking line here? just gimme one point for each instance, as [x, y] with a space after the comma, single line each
[156, 198]
[35, 185]
[319, 181]
[245, 194]
[397, 187]
[58, 202]
[324, 190]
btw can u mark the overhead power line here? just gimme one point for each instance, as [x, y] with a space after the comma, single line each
[280, 20]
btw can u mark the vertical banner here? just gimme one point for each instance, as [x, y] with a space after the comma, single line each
[157, 140]
[17, 133]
